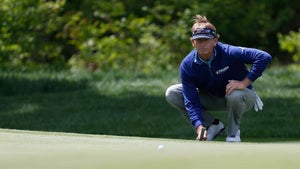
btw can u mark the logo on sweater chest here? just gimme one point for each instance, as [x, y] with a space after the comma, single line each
[220, 71]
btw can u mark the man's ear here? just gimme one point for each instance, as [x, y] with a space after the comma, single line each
[216, 41]
[192, 41]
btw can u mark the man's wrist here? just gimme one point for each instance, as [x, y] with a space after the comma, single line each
[246, 82]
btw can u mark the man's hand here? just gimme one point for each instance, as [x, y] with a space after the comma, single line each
[202, 134]
[236, 85]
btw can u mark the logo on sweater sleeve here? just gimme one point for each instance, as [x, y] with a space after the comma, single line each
[220, 71]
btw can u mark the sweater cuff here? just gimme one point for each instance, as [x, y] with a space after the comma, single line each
[251, 76]
[197, 123]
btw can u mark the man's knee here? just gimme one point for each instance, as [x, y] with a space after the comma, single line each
[235, 97]
[173, 92]
[175, 98]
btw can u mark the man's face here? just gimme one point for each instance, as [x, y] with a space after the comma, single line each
[204, 46]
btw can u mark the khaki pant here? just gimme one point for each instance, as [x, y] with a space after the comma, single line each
[236, 103]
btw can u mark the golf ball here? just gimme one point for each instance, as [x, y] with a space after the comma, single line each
[161, 147]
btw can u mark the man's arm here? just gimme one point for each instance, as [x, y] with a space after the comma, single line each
[191, 99]
[257, 58]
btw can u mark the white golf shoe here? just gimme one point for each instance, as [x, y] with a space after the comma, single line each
[214, 130]
[236, 138]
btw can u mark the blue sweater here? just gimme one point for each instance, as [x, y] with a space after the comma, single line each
[228, 63]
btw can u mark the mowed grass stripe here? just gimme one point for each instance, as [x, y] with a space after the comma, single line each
[46, 150]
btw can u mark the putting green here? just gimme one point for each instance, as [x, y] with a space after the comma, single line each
[46, 150]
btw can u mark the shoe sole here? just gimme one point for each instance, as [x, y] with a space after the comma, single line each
[234, 141]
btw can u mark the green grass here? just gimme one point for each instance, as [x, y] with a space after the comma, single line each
[34, 150]
[133, 104]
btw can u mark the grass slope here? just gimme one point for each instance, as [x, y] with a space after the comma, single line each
[36, 150]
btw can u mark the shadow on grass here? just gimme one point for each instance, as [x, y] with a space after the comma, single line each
[136, 114]
[86, 111]
[279, 119]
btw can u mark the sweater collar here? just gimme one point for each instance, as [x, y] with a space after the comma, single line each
[199, 60]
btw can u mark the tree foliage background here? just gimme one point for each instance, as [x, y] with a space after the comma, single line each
[134, 35]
